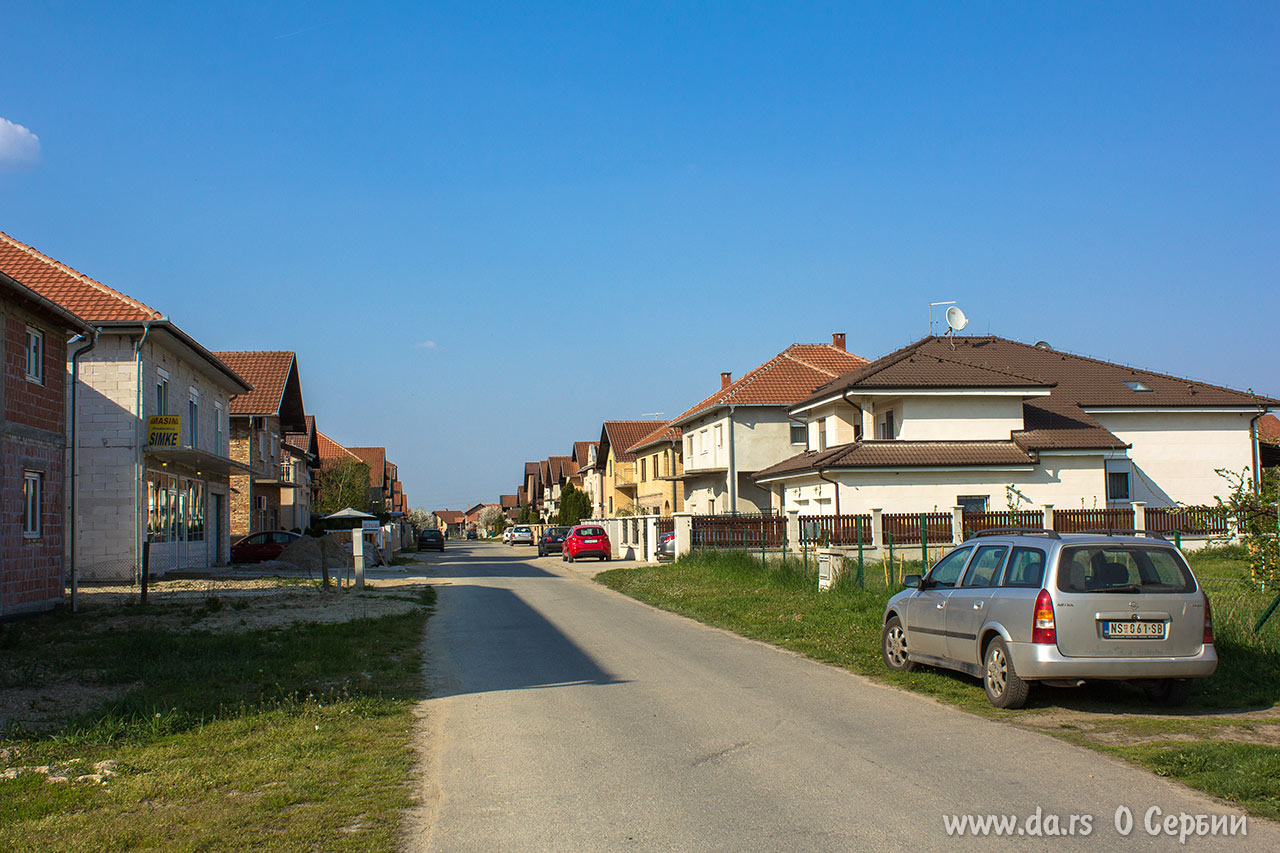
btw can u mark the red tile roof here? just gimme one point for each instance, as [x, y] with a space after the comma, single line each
[376, 459]
[621, 435]
[331, 451]
[268, 372]
[664, 433]
[76, 292]
[783, 380]
[1269, 429]
[450, 516]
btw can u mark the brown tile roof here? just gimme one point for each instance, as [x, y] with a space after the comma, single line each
[376, 459]
[661, 434]
[623, 434]
[76, 292]
[783, 380]
[508, 501]
[903, 454]
[449, 516]
[1269, 429]
[331, 451]
[582, 451]
[268, 372]
[304, 441]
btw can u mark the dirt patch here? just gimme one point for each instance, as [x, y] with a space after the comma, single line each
[1261, 727]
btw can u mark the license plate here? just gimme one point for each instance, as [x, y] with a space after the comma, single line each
[591, 541]
[1133, 630]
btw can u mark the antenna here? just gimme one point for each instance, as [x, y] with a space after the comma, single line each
[651, 414]
[955, 322]
[933, 305]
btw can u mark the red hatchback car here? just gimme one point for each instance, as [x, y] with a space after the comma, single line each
[266, 545]
[586, 540]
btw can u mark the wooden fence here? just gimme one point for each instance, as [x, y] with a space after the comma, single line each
[1080, 520]
[736, 531]
[1189, 520]
[904, 527]
[835, 529]
[975, 521]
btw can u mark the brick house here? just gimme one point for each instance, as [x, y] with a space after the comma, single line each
[139, 480]
[33, 439]
[260, 420]
[385, 489]
[302, 456]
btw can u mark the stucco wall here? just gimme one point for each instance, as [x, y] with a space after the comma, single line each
[959, 418]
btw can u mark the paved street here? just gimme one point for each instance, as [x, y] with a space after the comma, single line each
[567, 717]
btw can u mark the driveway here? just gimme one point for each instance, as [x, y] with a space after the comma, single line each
[565, 716]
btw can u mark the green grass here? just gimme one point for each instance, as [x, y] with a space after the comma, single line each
[782, 606]
[287, 739]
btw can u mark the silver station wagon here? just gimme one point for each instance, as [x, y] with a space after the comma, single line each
[1014, 607]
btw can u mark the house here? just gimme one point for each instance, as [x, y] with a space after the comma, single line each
[33, 441]
[533, 486]
[987, 423]
[561, 469]
[589, 474]
[1268, 430]
[385, 489]
[260, 419]
[150, 466]
[659, 468]
[744, 427]
[451, 522]
[618, 466]
[302, 469]
[510, 506]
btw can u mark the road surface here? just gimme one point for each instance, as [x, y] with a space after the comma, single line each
[565, 716]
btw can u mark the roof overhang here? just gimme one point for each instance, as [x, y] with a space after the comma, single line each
[71, 320]
[910, 391]
[199, 461]
[232, 378]
[905, 469]
[1174, 410]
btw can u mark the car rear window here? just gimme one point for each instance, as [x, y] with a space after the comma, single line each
[1026, 568]
[558, 531]
[591, 531]
[1123, 569]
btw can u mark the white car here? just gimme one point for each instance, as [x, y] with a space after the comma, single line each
[521, 534]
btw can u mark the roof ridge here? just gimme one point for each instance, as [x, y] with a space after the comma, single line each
[786, 353]
[38, 255]
[1038, 379]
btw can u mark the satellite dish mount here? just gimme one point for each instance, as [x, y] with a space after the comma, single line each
[956, 321]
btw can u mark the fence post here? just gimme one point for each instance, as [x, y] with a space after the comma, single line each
[924, 540]
[651, 538]
[877, 531]
[1139, 516]
[146, 569]
[889, 538]
[684, 533]
[858, 522]
[793, 527]
[1048, 517]
[957, 525]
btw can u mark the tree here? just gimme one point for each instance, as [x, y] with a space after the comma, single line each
[575, 505]
[419, 519]
[344, 484]
[527, 515]
[491, 519]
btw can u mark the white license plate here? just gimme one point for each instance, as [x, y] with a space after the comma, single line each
[591, 541]
[1133, 630]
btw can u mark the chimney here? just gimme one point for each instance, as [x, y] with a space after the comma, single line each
[726, 379]
[837, 340]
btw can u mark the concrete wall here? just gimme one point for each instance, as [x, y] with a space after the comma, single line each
[958, 418]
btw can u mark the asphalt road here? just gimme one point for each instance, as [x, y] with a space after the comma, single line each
[567, 717]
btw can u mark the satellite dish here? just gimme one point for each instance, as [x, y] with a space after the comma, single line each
[956, 319]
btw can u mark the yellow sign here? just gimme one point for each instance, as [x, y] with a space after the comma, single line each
[164, 430]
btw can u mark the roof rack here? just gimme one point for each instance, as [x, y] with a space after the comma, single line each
[1106, 531]
[1015, 531]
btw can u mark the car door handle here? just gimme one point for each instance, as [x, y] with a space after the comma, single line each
[977, 605]
[940, 605]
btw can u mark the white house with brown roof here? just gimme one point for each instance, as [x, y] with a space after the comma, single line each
[152, 439]
[987, 423]
[743, 427]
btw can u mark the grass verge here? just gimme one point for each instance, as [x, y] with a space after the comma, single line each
[288, 738]
[1226, 742]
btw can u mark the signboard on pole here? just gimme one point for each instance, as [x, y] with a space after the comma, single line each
[370, 527]
[164, 430]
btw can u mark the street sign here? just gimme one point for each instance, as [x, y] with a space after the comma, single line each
[164, 430]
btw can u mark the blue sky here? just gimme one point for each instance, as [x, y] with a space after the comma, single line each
[500, 224]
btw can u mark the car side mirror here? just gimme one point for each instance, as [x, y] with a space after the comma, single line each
[913, 581]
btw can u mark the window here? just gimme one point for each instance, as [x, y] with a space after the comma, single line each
[193, 421]
[1135, 385]
[947, 570]
[719, 436]
[35, 355]
[162, 392]
[688, 446]
[611, 503]
[1026, 568]
[985, 565]
[217, 428]
[888, 429]
[666, 462]
[32, 496]
[973, 503]
[1117, 486]
[643, 469]
[702, 441]
[797, 433]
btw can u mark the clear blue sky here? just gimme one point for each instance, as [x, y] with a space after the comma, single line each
[500, 224]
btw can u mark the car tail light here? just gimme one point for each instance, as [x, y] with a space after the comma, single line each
[1208, 621]
[1043, 629]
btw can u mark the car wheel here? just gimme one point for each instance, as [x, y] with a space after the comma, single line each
[1004, 688]
[568, 558]
[893, 646]
[1170, 691]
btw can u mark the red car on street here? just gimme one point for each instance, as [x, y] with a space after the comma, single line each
[266, 545]
[586, 540]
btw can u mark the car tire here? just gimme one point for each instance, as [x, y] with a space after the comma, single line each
[1004, 688]
[1173, 692]
[568, 558]
[893, 646]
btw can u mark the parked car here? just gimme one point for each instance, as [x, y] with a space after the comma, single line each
[586, 540]
[667, 544]
[552, 541]
[521, 534]
[506, 535]
[430, 540]
[472, 534]
[1019, 607]
[264, 545]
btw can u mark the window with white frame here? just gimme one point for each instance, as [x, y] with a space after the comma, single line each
[35, 355]
[217, 428]
[32, 498]
[702, 441]
[162, 391]
[719, 436]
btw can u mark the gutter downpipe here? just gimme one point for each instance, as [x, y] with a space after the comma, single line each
[71, 526]
[138, 469]
[1253, 445]
[834, 485]
[733, 470]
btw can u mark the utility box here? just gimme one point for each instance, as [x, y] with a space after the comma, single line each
[830, 564]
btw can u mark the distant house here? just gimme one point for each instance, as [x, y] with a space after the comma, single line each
[533, 486]
[658, 472]
[510, 506]
[33, 439]
[618, 465]
[744, 428]
[1269, 441]
[152, 438]
[385, 490]
[260, 420]
[451, 522]
[985, 422]
[302, 456]
[589, 474]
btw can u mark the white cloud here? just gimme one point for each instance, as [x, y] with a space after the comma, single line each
[427, 345]
[18, 146]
